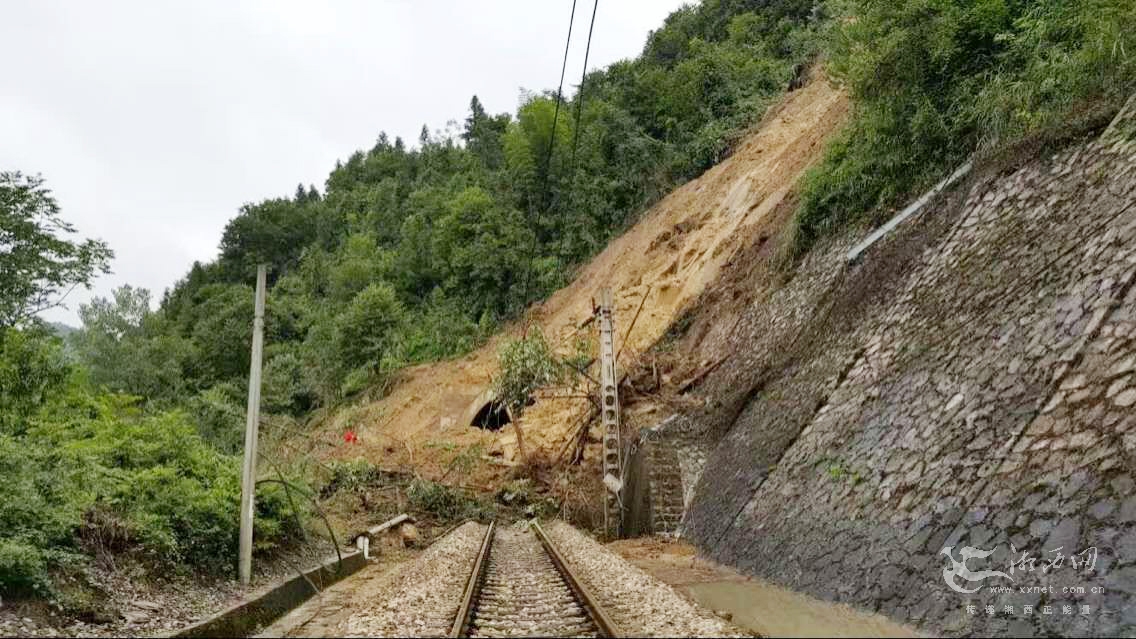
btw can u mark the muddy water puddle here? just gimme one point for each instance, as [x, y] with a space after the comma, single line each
[760, 607]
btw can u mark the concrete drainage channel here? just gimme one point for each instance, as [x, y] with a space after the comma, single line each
[246, 617]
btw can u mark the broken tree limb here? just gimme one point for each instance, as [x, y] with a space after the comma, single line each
[520, 433]
[582, 371]
[631, 326]
[688, 384]
[580, 426]
[500, 462]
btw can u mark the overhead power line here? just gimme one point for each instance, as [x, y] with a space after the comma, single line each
[580, 93]
[559, 98]
[548, 160]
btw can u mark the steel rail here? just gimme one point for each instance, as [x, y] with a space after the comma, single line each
[587, 599]
[465, 612]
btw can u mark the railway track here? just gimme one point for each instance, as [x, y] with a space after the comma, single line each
[520, 585]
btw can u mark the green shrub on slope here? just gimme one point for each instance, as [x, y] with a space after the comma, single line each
[95, 474]
[933, 81]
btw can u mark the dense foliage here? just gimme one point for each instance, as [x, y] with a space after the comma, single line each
[84, 472]
[934, 81]
[92, 473]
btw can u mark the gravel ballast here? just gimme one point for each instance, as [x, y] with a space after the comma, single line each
[424, 598]
[637, 602]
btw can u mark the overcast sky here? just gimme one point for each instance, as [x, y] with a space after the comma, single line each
[154, 121]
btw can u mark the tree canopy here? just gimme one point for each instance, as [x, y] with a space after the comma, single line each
[39, 265]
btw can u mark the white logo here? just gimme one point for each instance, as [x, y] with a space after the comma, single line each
[959, 569]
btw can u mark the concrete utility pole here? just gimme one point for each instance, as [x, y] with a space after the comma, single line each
[609, 415]
[248, 472]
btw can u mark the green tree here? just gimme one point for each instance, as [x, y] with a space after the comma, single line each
[360, 264]
[128, 349]
[484, 134]
[485, 248]
[274, 232]
[285, 389]
[527, 144]
[525, 364]
[38, 265]
[365, 326]
[32, 370]
[222, 333]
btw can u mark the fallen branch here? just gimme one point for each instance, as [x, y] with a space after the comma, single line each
[688, 384]
[582, 371]
[499, 462]
[575, 432]
[631, 326]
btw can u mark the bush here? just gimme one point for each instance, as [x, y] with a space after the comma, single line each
[350, 476]
[23, 571]
[441, 329]
[525, 365]
[355, 381]
[934, 81]
[32, 367]
[323, 369]
[219, 412]
[522, 495]
[97, 475]
[285, 389]
[441, 501]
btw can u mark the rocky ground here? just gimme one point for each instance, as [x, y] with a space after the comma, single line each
[423, 597]
[420, 595]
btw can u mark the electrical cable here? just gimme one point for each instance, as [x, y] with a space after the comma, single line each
[580, 93]
[548, 161]
[559, 98]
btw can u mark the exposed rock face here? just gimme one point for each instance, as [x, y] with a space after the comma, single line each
[971, 383]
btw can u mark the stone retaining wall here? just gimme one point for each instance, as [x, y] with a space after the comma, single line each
[663, 469]
[970, 384]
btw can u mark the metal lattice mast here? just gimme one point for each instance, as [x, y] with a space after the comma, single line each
[609, 415]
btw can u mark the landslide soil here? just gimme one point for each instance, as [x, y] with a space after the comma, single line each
[663, 262]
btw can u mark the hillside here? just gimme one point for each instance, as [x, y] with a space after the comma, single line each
[661, 263]
[410, 252]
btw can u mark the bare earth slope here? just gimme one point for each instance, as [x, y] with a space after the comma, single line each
[670, 255]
